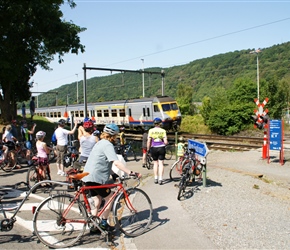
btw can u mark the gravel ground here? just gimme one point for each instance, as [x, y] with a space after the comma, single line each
[240, 210]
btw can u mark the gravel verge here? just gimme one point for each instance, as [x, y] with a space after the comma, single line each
[246, 204]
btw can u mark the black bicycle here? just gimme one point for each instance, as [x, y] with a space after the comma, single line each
[191, 167]
[128, 152]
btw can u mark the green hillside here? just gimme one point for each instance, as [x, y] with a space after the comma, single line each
[203, 75]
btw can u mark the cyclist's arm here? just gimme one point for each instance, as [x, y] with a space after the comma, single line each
[121, 166]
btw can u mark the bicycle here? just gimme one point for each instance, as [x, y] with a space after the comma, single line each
[191, 167]
[7, 224]
[61, 220]
[168, 152]
[129, 152]
[149, 161]
[37, 173]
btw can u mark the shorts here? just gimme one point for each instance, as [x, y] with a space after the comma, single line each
[28, 145]
[60, 151]
[157, 153]
[103, 192]
[42, 161]
[31, 112]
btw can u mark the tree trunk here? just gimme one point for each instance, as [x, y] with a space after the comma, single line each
[5, 104]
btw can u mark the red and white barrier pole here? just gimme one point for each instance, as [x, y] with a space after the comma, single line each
[265, 145]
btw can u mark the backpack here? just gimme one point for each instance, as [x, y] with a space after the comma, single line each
[53, 139]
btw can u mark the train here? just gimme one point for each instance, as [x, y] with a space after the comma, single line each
[132, 114]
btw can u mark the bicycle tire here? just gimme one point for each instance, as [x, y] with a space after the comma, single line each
[175, 171]
[168, 152]
[32, 176]
[54, 230]
[11, 163]
[182, 186]
[131, 155]
[149, 162]
[133, 223]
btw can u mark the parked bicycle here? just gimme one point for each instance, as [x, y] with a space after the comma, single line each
[168, 152]
[191, 167]
[128, 152]
[149, 161]
[7, 224]
[71, 156]
[61, 220]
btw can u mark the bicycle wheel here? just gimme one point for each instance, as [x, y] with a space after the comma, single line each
[33, 176]
[149, 162]
[182, 186]
[131, 155]
[175, 171]
[133, 216]
[58, 225]
[168, 153]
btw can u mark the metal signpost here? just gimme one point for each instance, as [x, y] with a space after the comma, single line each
[201, 150]
[276, 139]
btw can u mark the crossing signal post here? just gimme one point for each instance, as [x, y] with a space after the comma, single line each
[261, 119]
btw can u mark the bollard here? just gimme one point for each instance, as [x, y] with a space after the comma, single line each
[204, 176]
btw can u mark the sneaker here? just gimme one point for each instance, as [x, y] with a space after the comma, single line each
[63, 174]
[106, 226]
[94, 230]
[155, 181]
[160, 182]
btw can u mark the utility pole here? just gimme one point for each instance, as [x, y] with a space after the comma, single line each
[143, 78]
[77, 88]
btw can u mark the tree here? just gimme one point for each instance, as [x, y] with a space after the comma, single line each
[184, 99]
[32, 32]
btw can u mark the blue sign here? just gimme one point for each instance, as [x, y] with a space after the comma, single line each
[275, 134]
[200, 148]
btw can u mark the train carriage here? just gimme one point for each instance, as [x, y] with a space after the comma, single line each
[135, 113]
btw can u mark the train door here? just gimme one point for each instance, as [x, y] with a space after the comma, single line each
[146, 113]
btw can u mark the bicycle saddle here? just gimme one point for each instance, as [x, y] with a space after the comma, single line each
[78, 176]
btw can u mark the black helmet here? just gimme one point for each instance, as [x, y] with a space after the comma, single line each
[61, 122]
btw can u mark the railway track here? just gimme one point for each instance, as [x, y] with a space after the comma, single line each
[215, 142]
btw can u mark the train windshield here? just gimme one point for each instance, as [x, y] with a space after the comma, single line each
[170, 106]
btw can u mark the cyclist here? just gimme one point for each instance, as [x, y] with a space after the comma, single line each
[180, 146]
[27, 138]
[42, 152]
[87, 140]
[144, 145]
[61, 135]
[99, 166]
[157, 140]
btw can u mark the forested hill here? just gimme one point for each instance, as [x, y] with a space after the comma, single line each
[204, 75]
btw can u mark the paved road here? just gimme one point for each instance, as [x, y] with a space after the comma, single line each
[170, 229]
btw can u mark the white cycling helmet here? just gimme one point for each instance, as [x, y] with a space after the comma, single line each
[111, 129]
[40, 134]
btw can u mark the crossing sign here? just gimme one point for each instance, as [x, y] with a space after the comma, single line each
[200, 148]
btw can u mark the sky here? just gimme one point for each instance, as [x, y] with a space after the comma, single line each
[135, 34]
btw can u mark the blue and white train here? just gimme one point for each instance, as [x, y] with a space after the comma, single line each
[133, 114]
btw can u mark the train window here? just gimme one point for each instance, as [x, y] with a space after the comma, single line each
[122, 112]
[59, 114]
[174, 106]
[106, 113]
[92, 113]
[130, 112]
[144, 113]
[51, 115]
[166, 107]
[114, 112]
[148, 112]
[99, 113]
[81, 113]
[76, 114]
[156, 109]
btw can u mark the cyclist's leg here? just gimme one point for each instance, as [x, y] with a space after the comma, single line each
[133, 216]
[56, 224]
